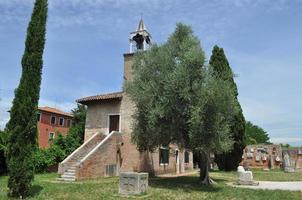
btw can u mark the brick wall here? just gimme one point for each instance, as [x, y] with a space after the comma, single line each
[128, 61]
[106, 154]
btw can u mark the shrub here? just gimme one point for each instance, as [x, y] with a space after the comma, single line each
[45, 158]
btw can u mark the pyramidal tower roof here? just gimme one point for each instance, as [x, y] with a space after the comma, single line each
[141, 26]
[141, 30]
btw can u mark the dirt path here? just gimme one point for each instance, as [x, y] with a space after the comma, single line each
[273, 185]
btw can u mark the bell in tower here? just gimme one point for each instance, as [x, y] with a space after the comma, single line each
[140, 39]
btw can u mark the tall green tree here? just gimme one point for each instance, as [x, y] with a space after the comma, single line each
[222, 70]
[169, 83]
[163, 90]
[211, 122]
[22, 126]
[255, 134]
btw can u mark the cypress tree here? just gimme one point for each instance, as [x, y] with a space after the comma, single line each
[221, 68]
[22, 126]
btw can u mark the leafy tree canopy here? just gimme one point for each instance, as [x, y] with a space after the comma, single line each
[255, 134]
[178, 100]
[165, 78]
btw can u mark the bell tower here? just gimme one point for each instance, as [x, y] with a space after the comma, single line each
[140, 40]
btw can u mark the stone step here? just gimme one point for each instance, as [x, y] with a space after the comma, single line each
[71, 170]
[69, 173]
[65, 179]
[67, 176]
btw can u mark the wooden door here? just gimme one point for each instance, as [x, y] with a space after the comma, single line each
[114, 123]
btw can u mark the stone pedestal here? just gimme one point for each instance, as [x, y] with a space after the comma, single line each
[133, 183]
[245, 177]
[288, 164]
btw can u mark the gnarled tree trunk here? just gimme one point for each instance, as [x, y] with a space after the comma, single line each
[204, 165]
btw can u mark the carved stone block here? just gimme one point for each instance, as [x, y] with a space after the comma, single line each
[245, 177]
[133, 183]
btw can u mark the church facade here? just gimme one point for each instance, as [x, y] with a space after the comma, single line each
[108, 149]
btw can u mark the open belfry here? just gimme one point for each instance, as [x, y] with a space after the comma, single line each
[107, 149]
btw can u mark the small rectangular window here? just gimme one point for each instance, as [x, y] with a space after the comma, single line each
[110, 170]
[39, 117]
[51, 136]
[164, 156]
[53, 120]
[61, 121]
[187, 157]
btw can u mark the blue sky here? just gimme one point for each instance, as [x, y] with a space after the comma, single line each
[86, 40]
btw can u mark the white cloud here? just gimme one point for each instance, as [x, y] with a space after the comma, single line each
[261, 112]
[284, 140]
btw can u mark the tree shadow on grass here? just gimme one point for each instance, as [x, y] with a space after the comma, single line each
[35, 190]
[186, 183]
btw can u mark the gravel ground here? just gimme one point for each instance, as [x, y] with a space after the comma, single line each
[270, 185]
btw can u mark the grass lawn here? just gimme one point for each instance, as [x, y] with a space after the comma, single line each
[45, 187]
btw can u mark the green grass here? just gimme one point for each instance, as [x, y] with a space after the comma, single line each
[45, 187]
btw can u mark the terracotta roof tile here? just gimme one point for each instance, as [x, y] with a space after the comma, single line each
[108, 96]
[54, 110]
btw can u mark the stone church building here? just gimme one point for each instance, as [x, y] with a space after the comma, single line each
[108, 149]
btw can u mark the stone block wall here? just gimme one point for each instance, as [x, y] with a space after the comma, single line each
[262, 156]
[296, 155]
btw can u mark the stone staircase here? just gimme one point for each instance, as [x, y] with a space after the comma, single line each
[69, 174]
[68, 167]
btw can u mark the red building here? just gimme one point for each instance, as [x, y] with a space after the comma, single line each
[52, 122]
